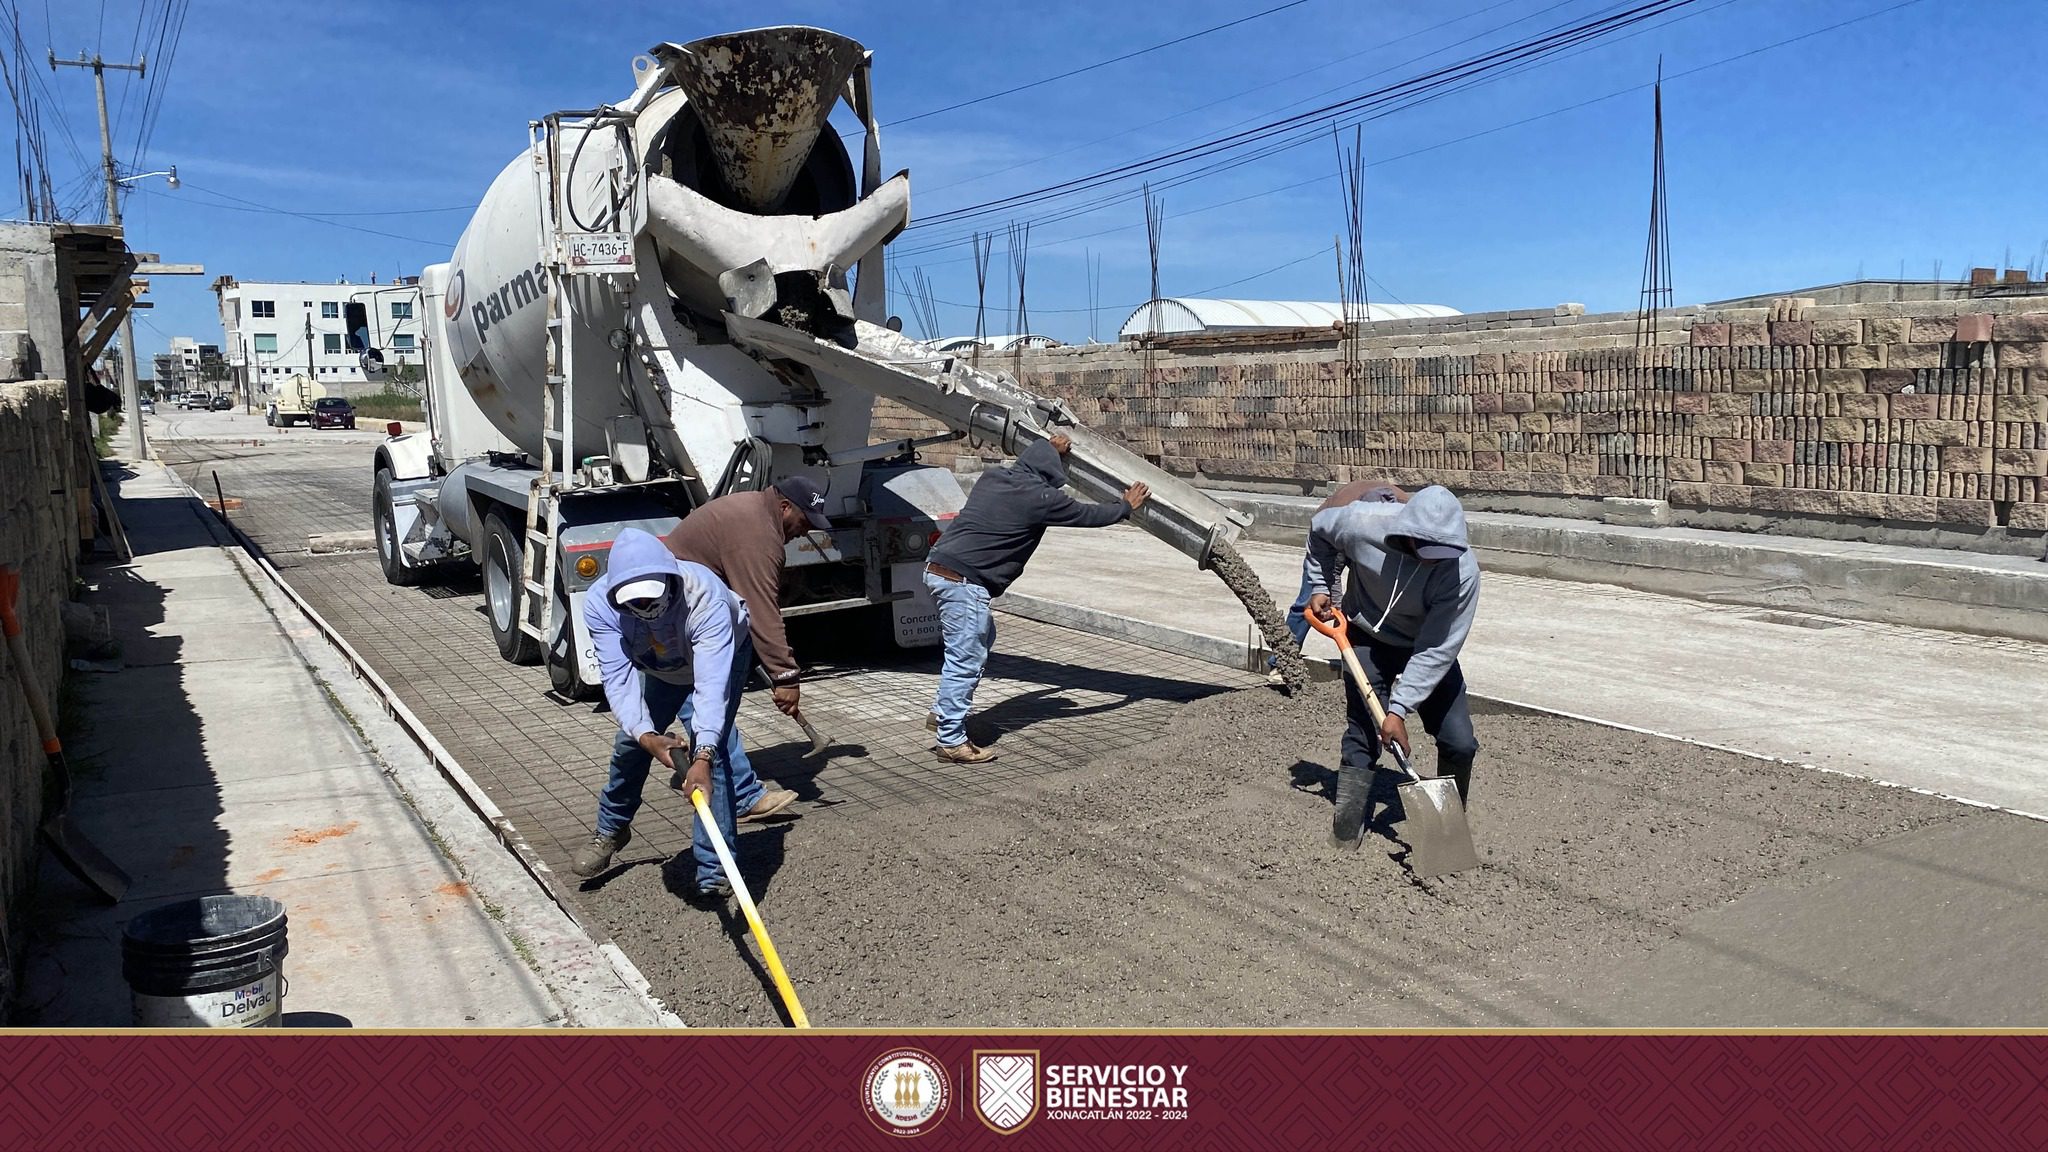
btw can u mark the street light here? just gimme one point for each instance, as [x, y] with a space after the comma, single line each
[136, 445]
[170, 176]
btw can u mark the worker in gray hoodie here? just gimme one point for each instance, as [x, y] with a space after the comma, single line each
[983, 550]
[672, 642]
[1411, 596]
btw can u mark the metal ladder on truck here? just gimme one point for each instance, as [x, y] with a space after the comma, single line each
[558, 465]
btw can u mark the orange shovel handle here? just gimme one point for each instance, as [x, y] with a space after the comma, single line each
[1337, 629]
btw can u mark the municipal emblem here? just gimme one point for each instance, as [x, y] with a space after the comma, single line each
[1006, 1088]
[905, 1092]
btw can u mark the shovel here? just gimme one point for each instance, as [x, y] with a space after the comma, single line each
[818, 743]
[783, 987]
[79, 856]
[1439, 839]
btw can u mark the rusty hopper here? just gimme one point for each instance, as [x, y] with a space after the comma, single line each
[763, 97]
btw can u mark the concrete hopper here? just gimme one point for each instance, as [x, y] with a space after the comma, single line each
[763, 96]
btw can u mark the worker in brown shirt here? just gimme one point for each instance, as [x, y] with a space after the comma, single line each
[740, 537]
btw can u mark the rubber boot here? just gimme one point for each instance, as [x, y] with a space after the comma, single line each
[1354, 792]
[1458, 768]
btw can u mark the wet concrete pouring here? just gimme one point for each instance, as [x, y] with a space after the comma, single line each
[1150, 850]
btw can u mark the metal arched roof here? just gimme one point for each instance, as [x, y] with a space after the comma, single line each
[996, 343]
[1194, 314]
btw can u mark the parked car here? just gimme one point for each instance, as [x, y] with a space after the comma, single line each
[223, 402]
[333, 412]
[148, 406]
[192, 400]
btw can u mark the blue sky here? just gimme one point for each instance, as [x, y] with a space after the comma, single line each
[1910, 137]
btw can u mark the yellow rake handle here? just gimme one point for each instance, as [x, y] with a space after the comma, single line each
[739, 889]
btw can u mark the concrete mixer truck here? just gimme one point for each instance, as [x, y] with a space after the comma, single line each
[681, 295]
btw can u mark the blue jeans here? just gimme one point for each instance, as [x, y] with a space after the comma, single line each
[969, 629]
[1445, 713]
[734, 786]
[1297, 616]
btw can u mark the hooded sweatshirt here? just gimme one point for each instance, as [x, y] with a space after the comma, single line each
[1007, 514]
[1394, 597]
[693, 643]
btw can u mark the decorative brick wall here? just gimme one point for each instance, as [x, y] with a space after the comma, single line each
[1930, 412]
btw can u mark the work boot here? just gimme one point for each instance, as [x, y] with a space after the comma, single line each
[716, 892]
[772, 802]
[1458, 768]
[965, 752]
[1354, 798]
[596, 856]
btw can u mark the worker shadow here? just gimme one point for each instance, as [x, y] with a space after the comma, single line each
[759, 854]
[789, 764]
[1383, 811]
[759, 850]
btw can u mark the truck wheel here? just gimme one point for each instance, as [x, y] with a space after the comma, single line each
[505, 590]
[388, 553]
[565, 673]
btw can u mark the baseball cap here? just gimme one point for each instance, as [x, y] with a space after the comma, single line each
[648, 589]
[807, 496]
[1425, 549]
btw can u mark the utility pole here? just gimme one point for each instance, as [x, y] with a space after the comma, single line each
[131, 394]
[306, 394]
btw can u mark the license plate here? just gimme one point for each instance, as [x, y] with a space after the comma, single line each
[600, 252]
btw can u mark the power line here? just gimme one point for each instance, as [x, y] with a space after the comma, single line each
[242, 205]
[1098, 64]
[1295, 75]
[1545, 44]
[1470, 136]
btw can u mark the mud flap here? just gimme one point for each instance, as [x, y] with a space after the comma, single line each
[916, 615]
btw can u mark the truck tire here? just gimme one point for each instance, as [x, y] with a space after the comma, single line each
[565, 673]
[504, 572]
[388, 554]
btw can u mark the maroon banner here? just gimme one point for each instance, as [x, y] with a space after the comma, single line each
[1020, 1091]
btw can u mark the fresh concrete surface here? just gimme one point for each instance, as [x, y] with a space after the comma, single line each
[1950, 713]
[1971, 896]
[218, 761]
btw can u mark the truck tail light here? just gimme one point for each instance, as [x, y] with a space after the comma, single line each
[394, 429]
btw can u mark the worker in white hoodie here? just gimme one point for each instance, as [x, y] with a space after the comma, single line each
[1411, 595]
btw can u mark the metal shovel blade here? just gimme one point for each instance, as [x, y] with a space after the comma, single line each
[1433, 823]
[818, 743]
[83, 859]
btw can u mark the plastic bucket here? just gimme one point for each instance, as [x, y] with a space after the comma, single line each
[214, 962]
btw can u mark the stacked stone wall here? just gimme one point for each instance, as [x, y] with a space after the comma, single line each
[1925, 412]
[37, 535]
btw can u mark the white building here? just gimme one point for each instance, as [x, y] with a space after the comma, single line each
[273, 330]
[184, 358]
[1178, 314]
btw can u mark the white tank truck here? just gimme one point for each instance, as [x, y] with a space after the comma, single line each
[651, 308]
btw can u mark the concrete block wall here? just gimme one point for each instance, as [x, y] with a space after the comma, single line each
[36, 536]
[1923, 412]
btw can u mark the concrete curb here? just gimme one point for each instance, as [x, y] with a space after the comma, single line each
[595, 982]
[1950, 591]
[1233, 655]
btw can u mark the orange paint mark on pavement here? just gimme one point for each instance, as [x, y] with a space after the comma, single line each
[267, 877]
[455, 888]
[304, 837]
